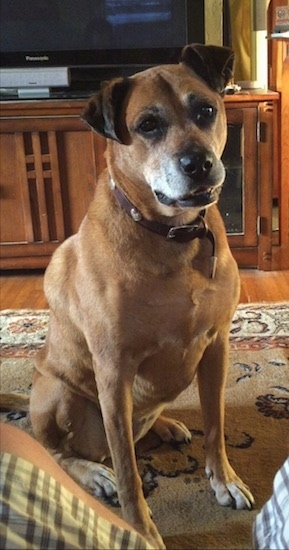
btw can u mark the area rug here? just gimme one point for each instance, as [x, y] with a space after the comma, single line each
[257, 421]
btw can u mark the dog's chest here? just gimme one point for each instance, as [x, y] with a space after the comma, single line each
[170, 334]
[169, 310]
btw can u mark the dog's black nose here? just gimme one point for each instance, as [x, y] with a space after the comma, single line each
[196, 166]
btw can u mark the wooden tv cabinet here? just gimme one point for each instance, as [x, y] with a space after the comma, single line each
[50, 161]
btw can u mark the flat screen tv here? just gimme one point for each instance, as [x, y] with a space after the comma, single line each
[95, 39]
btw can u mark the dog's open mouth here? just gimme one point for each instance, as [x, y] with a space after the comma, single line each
[201, 197]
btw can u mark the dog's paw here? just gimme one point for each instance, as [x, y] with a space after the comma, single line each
[232, 493]
[171, 430]
[104, 483]
[93, 476]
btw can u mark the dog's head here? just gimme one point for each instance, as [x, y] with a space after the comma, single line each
[166, 127]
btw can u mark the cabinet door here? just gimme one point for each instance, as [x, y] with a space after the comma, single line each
[239, 198]
[49, 166]
[15, 221]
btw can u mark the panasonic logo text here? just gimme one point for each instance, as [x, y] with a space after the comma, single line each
[36, 58]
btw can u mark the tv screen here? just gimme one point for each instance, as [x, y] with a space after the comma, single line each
[108, 35]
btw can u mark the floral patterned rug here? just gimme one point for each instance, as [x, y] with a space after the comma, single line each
[257, 425]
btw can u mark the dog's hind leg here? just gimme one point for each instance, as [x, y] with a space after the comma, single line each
[171, 430]
[212, 372]
[71, 427]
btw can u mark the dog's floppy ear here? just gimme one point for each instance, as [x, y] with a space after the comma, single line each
[104, 109]
[214, 64]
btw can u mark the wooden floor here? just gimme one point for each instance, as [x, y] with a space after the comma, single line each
[25, 290]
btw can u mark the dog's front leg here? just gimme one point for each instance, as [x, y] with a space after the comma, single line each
[212, 373]
[115, 396]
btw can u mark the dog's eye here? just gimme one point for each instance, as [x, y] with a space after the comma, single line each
[150, 126]
[205, 115]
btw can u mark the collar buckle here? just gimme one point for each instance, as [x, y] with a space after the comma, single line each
[180, 231]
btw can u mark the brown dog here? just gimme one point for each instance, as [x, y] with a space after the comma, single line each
[138, 304]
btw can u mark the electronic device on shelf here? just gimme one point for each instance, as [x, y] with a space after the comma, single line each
[90, 41]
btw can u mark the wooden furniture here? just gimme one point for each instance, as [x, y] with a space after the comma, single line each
[256, 112]
[278, 79]
[50, 162]
[284, 155]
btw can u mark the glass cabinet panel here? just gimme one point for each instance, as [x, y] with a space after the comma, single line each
[238, 202]
[231, 199]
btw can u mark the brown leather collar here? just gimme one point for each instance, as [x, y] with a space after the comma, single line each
[198, 229]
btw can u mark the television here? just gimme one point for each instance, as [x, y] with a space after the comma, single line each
[93, 40]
